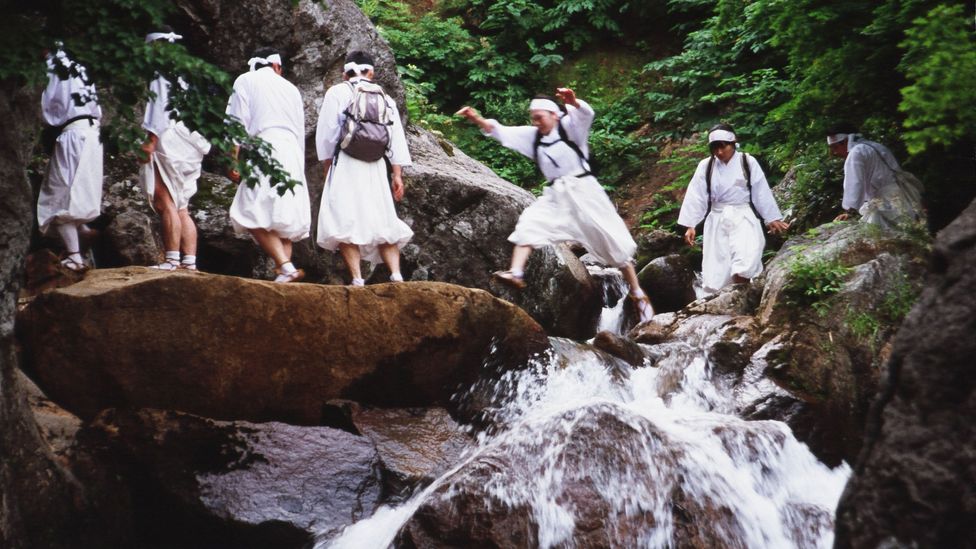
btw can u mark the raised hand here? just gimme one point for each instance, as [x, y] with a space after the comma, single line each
[567, 95]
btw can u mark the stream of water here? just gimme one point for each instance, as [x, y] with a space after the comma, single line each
[653, 434]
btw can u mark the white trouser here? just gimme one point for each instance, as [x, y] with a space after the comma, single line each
[733, 245]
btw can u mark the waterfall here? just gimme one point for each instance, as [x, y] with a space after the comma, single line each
[612, 318]
[654, 455]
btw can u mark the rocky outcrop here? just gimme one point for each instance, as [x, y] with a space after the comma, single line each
[314, 38]
[230, 348]
[39, 503]
[195, 482]
[914, 484]
[669, 282]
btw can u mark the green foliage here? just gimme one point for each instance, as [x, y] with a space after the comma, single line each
[813, 279]
[940, 64]
[107, 38]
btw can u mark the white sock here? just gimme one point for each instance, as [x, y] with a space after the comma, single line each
[189, 259]
[637, 292]
[517, 274]
[396, 277]
[288, 268]
[76, 257]
[358, 282]
[69, 235]
[173, 256]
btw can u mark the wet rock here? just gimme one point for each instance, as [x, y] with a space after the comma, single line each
[669, 282]
[658, 243]
[649, 333]
[57, 426]
[195, 482]
[620, 347]
[828, 348]
[914, 482]
[135, 240]
[415, 445]
[733, 300]
[591, 477]
[230, 348]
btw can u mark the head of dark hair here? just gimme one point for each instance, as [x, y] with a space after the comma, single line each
[558, 103]
[263, 52]
[359, 58]
[841, 127]
[716, 145]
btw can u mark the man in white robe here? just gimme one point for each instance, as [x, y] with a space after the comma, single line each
[573, 207]
[733, 239]
[71, 194]
[270, 107]
[874, 184]
[174, 159]
[357, 215]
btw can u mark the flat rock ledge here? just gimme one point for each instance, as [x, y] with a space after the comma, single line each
[239, 349]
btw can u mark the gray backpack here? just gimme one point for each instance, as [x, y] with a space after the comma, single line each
[365, 135]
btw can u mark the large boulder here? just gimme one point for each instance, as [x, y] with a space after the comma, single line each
[602, 476]
[230, 348]
[314, 38]
[832, 299]
[914, 484]
[196, 482]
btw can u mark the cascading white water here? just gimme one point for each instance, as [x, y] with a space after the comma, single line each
[614, 298]
[653, 440]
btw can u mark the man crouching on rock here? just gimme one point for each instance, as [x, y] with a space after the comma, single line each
[174, 159]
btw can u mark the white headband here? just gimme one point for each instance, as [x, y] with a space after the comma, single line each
[356, 67]
[837, 138]
[721, 135]
[539, 104]
[273, 59]
[168, 36]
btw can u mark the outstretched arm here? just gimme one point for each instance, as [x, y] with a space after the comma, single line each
[474, 116]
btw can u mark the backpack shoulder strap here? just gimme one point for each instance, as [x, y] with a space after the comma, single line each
[708, 185]
[747, 171]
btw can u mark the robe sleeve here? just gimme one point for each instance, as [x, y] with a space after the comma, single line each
[762, 195]
[580, 120]
[520, 139]
[329, 125]
[695, 203]
[53, 100]
[854, 180]
[399, 153]
[238, 106]
[156, 119]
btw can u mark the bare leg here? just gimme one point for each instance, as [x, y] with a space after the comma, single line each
[286, 246]
[271, 245]
[350, 254]
[630, 276]
[391, 256]
[188, 233]
[520, 255]
[170, 217]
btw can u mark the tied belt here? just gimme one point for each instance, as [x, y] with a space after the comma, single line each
[719, 207]
[578, 176]
[91, 121]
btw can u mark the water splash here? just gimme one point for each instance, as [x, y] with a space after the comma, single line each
[653, 457]
[612, 317]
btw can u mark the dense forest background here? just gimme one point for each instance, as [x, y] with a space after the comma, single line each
[658, 73]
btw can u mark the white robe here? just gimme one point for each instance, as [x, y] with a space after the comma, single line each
[72, 189]
[733, 239]
[270, 107]
[357, 204]
[179, 152]
[571, 208]
[876, 186]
